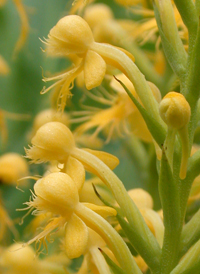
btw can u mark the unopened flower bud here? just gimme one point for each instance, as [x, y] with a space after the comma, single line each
[141, 198]
[71, 35]
[18, 259]
[175, 110]
[49, 115]
[58, 192]
[12, 167]
[98, 13]
[52, 141]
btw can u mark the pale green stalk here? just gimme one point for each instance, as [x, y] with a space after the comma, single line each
[190, 233]
[169, 145]
[123, 40]
[110, 236]
[197, 4]
[99, 261]
[170, 200]
[191, 89]
[145, 242]
[190, 263]
[188, 14]
[133, 73]
[171, 42]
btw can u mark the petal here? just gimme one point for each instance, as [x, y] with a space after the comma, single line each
[76, 171]
[110, 160]
[104, 211]
[76, 237]
[94, 69]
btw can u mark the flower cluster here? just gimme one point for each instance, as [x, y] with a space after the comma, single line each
[129, 85]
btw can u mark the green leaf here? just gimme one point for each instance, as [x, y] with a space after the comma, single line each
[157, 130]
[115, 268]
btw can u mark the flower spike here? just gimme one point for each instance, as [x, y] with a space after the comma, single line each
[54, 141]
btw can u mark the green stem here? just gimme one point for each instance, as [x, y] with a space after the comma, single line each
[145, 242]
[188, 13]
[110, 236]
[169, 195]
[183, 132]
[185, 185]
[171, 42]
[127, 66]
[122, 39]
[197, 5]
[169, 145]
[191, 89]
[143, 63]
[157, 129]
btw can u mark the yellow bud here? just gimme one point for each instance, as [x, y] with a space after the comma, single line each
[49, 115]
[52, 141]
[141, 198]
[12, 167]
[19, 259]
[175, 110]
[98, 13]
[58, 192]
[71, 35]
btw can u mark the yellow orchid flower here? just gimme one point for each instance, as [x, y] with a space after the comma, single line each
[107, 29]
[17, 260]
[48, 115]
[93, 259]
[73, 36]
[57, 193]
[12, 168]
[121, 117]
[54, 141]
[147, 30]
